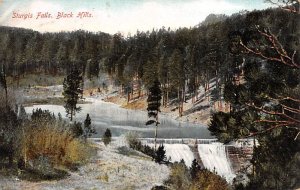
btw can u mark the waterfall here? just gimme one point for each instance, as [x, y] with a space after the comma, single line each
[214, 158]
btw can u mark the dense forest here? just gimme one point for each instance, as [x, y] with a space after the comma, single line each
[182, 60]
[251, 58]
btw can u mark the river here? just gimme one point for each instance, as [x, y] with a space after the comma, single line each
[119, 120]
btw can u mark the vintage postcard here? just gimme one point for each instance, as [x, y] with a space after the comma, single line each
[149, 94]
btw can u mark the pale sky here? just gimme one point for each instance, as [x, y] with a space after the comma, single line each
[111, 16]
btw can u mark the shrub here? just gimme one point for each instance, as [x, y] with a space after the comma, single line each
[37, 175]
[180, 178]
[194, 169]
[77, 152]
[88, 129]
[56, 143]
[132, 138]
[135, 143]
[76, 129]
[160, 154]
[209, 180]
[9, 134]
[39, 115]
[159, 188]
[107, 137]
[148, 151]
[103, 178]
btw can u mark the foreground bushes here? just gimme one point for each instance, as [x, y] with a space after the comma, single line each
[41, 147]
[182, 177]
[54, 142]
[134, 142]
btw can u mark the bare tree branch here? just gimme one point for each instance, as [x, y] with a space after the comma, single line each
[274, 113]
[286, 5]
[297, 135]
[274, 44]
[269, 129]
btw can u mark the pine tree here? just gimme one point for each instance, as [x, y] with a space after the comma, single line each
[106, 137]
[76, 129]
[44, 116]
[153, 108]
[177, 77]
[88, 129]
[265, 105]
[72, 90]
[160, 154]
[195, 168]
[163, 76]
[150, 73]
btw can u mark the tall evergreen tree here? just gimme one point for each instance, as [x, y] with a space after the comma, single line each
[163, 76]
[177, 77]
[153, 108]
[265, 104]
[88, 128]
[72, 91]
[150, 73]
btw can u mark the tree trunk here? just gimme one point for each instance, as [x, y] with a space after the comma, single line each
[178, 97]
[18, 80]
[132, 92]
[183, 92]
[121, 90]
[196, 94]
[6, 99]
[25, 150]
[193, 97]
[128, 96]
[163, 97]
[155, 135]
[167, 98]
[139, 93]
[208, 88]
[182, 101]
[196, 87]
[71, 115]
[253, 165]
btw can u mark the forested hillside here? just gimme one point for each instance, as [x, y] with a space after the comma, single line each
[250, 60]
[182, 60]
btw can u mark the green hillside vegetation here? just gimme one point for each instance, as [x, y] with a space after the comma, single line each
[250, 60]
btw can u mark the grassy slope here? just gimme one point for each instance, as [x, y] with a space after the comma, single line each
[109, 169]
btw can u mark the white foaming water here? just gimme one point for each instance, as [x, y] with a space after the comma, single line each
[214, 158]
[177, 152]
